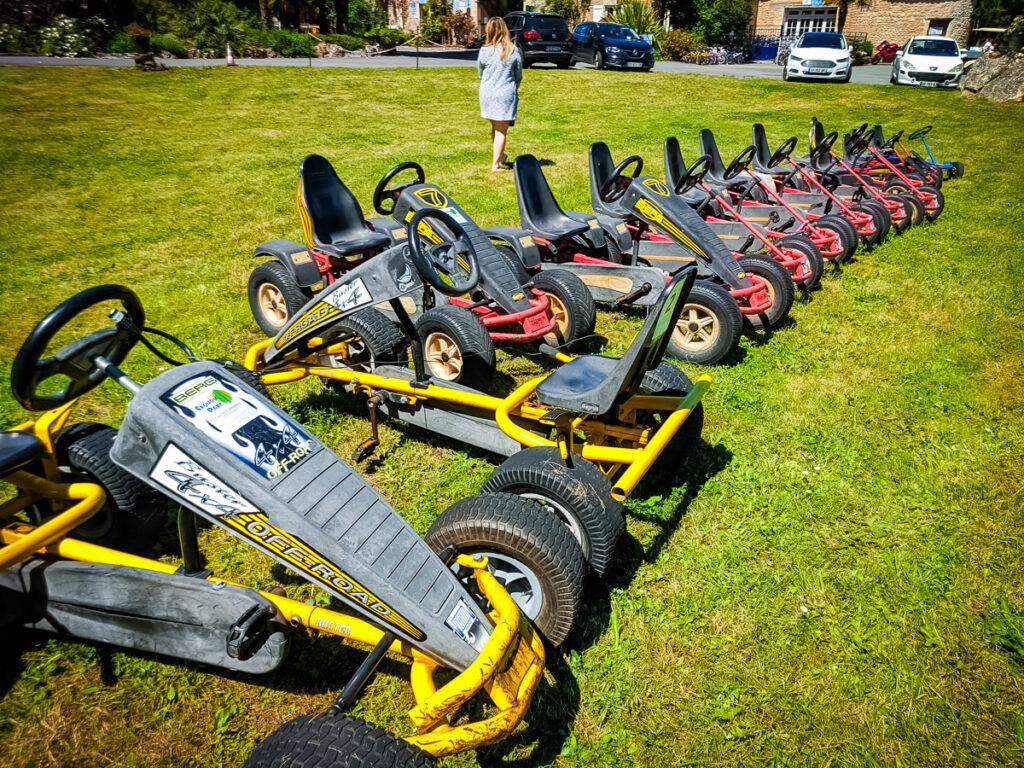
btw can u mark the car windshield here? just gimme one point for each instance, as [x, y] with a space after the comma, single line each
[616, 32]
[550, 24]
[934, 48]
[822, 40]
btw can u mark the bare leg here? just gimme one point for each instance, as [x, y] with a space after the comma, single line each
[499, 128]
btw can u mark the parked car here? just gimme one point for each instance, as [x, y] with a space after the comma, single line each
[611, 45]
[541, 38]
[930, 61]
[819, 56]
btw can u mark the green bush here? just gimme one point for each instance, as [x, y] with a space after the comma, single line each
[641, 16]
[212, 24]
[14, 39]
[121, 43]
[387, 37]
[62, 38]
[679, 42]
[433, 11]
[168, 43]
[286, 42]
[364, 16]
[865, 46]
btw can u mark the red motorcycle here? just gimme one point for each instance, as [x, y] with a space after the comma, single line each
[885, 52]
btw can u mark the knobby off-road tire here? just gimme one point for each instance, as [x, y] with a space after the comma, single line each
[666, 379]
[571, 303]
[131, 509]
[844, 230]
[271, 284]
[456, 346]
[780, 288]
[332, 741]
[709, 326]
[376, 340]
[539, 561]
[577, 494]
[251, 378]
[814, 264]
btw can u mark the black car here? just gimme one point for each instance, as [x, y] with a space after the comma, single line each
[541, 38]
[611, 45]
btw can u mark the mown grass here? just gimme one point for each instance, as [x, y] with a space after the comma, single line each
[834, 580]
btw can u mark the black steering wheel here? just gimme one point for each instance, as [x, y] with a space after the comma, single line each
[892, 140]
[919, 133]
[693, 175]
[740, 163]
[75, 361]
[608, 191]
[860, 130]
[783, 152]
[458, 253]
[824, 147]
[382, 193]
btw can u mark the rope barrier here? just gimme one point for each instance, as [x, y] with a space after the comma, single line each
[381, 51]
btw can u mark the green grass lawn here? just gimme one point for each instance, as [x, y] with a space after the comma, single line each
[835, 579]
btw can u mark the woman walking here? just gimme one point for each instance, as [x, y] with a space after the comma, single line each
[501, 70]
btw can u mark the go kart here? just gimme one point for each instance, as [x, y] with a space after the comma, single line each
[622, 261]
[578, 439]
[506, 307]
[952, 169]
[203, 438]
[914, 167]
[869, 219]
[796, 252]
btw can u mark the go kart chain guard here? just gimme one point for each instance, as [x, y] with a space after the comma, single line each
[497, 279]
[201, 436]
[178, 616]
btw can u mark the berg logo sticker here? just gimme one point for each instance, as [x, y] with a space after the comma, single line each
[221, 395]
[656, 187]
[432, 196]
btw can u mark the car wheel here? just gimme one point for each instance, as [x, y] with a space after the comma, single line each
[785, 72]
[598, 61]
[849, 74]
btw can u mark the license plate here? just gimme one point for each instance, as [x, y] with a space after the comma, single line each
[636, 64]
[928, 84]
[818, 71]
[554, 47]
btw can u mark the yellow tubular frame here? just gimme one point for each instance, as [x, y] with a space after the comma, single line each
[509, 667]
[627, 465]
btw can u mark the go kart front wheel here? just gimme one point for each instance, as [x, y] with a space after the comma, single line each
[708, 327]
[578, 494]
[456, 346]
[777, 283]
[274, 296]
[844, 231]
[571, 305]
[808, 271]
[879, 217]
[539, 563]
[333, 741]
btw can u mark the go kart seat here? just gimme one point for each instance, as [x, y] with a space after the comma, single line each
[708, 146]
[675, 167]
[763, 153]
[601, 166]
[597, 383]
[539, 212]
[330, 213]
[18, 449]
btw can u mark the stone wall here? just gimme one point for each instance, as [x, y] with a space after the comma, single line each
[878, 20]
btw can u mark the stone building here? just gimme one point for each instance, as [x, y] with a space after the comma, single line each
[875, 20]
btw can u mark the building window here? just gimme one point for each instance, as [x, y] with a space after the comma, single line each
[800, 20]
[938, 26]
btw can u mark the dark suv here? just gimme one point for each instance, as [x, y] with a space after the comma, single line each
[541, 38]
[611, 45]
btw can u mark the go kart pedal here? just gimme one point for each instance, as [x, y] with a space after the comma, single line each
[248, 634]
[366, 448]
[557, 418]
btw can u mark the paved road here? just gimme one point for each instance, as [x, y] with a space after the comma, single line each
[874, 75]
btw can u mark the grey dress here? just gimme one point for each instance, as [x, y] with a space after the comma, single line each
[499, 83]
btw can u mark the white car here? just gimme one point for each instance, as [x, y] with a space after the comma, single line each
[928, 60]
[819, 56]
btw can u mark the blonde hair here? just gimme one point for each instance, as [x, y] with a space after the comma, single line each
[497, 34]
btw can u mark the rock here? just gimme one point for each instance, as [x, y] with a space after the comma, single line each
[148, 63]
[328, 50]
[860, 58]
[997, 79]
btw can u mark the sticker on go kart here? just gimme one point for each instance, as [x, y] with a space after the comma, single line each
[184, 477]
[241, 423]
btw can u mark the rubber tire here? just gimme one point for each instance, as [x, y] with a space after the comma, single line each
[383, 338]
[666, 379]
[932, 214]
[957, 171]
[785, 73]
[508, 524]
[470, 336]
[847, 233]
[879, 217]
[581, 490]
[714, 300]
[914, 203]
[777, 276]
[131, 507]
[598, 60]
[294, 297]
[333, 741]
[577, 300]
[902, 225]
[563, 64]
[815, 263]
[251, 378]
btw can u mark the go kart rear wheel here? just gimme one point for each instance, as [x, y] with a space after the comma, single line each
[577, 493]
[571, 305]
[844, 231]
[132, 509]
[932, 210]
[274, 296]
[915, 208]
[456, 346]
[811, 266]
[708, 327]
[666, 379]
[880, 218]
[333, 741]
[540, 564]
[900, 224]
[957, 171]
[373, 340]
[779, 286]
